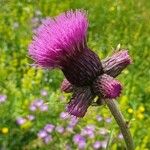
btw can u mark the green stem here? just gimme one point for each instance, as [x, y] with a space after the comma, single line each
[121, 122]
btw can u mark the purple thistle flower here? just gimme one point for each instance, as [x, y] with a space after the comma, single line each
[60, 42]
[20, 121]
[97, 145]
[42, 134]
[49, 128]
[3, 98]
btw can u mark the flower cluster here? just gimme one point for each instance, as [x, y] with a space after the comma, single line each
[38, 104]
[60, 42]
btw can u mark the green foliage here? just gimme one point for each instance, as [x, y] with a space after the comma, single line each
[111, 23]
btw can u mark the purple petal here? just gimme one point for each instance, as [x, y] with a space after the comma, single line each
[20, 120]
[78, 138]
[44, 107]
[42, 134]
[3, 98]
[97, 145]
[49, 128]
[47, 139]
[58, 38]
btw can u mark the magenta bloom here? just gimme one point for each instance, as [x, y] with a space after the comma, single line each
[61, 42]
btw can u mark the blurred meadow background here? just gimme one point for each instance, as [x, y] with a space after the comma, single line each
[32, 107]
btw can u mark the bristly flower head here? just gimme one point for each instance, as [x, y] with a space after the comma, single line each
[60, 42]
[59, 38]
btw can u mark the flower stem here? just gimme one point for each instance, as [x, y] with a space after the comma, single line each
[121, 122]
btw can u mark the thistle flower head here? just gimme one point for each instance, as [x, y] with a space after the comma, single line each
[61, 42]
[59, 38]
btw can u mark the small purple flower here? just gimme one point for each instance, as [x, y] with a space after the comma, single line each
[49, 128]
[80, 141]
[38, 102]
[44, 93]
[42, 134]
[44, 107]
[88, 131]
[77, 138]
[32, 108]
[48, 139]
[99, 118]
[73, 121]
[120, 136]
[64, 115]
[20, 121]
[97, 145]
[108, 120]
[59, 129]
[82, 144]
[3, 98]
[31, 117]
[61, 42]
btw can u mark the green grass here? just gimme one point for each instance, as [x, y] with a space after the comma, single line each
[111, 23]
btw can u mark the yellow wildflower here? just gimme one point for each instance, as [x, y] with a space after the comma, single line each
[140, 116]
[5, 130]
[141, 109]
[130, 110]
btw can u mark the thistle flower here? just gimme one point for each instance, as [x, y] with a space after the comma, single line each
[60, 42]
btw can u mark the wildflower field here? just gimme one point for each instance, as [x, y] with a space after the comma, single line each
[33, 107]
